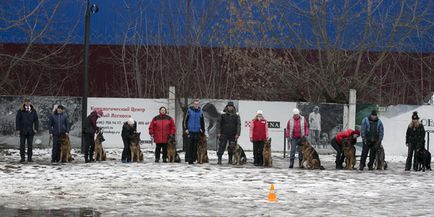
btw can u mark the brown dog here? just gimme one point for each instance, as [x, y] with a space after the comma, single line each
[136, 153]
[350, 154]
[171, 151]
[202, 149]
[266, 154]
[65, 148]
[99, 151]
[239, 155]
[310, 156]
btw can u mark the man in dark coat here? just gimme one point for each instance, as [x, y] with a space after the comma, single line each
[230, 128]
[128, 129]
[90, 129]
[58, 124]
[27, 125]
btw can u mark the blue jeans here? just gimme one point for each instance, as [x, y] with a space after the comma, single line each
[294, 145]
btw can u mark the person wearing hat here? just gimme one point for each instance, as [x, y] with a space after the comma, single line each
[27, 125]
[336, 143]
[258, 135]
[128, 129]
[161, 127]
[230, 128]
[194, 125]
[296, 129]
[90, 129]
[315, 126]
[372, 135]
[414, 138]
[58, 124]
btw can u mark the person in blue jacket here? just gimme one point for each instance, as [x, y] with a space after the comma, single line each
[58, 124]
[372, 135]
[194, 125]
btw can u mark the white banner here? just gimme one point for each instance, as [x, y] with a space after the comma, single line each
[119, 110]
[276, 113]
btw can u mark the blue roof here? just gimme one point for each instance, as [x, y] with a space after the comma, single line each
[282, 24]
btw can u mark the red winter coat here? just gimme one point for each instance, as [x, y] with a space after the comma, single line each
[258, 130]
[344, 135]
[161, 127]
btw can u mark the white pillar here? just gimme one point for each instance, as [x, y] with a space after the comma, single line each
[352, 109]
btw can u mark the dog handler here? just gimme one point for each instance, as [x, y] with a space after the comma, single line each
[258, 135]
[195, 125]
[337, 144]
[58, 124]
[414, 138]
[296, 129]
[128, 129]
[161, 127]
[27, 125]
[90, 129]
[230, 128]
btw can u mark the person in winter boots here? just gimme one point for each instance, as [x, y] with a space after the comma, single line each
[296, 129]
[258, 136]
[195, 125]
[372, 135]
[315, 126]
[336, 143]
[414, 138]
[161, 127]
[90, 129]
[27, 125]
[58, 124]
[128, 129]
[230, 128]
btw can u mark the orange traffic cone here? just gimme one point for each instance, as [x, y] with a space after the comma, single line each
[272, 195]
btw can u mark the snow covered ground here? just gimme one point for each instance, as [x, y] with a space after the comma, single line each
[112, 188]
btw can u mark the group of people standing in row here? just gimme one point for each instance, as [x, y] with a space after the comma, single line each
[162, 127]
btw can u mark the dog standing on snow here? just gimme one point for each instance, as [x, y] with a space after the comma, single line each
[136, 153]
[266, 154]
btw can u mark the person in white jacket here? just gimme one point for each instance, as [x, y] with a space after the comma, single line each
[315, 127]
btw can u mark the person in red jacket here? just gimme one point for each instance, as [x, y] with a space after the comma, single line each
[296, 129]
[161, 127]
[337, 144]
[258, 135]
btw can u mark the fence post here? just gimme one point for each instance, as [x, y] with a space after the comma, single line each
[284, 143]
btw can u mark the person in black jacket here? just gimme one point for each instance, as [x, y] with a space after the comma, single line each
[415, 137]
[27, 125]
[230, 128]
[128, 129]
[90, 129]
[58, 124]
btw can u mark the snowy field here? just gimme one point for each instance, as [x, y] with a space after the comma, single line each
[112, 188]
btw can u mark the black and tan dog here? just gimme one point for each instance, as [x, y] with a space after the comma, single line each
[99, 153]
[136, 153]
[172, 154]
[202, 149]
[266, 154]
[380, 162]
[238, 154]
[65, 148]
[423, 159]
[350, 154]
[310, 156]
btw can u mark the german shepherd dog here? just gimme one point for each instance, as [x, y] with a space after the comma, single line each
[423, 159]
[310, 156]
[202, 149]
[350, 154]
[239, 155]
[136, 153]
[99, 153]
[171, 151]
[65, 148]
[266, 154]
[380, 163]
